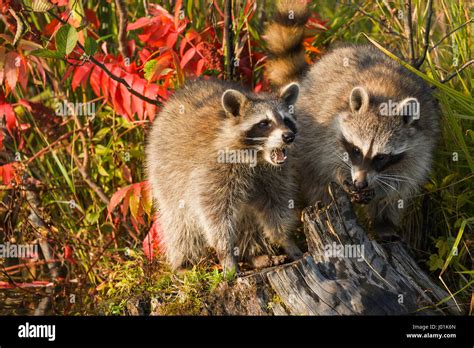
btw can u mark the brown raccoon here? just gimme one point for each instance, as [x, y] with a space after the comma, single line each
[366, 122]
[218, 166]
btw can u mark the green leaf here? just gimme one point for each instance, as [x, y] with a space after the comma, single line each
[150, 69]
[102, 171]
[92, 217]
[90, 46]
[102, 133]
[41, 6]
[45, 53]
[107, 228]
[66, 39]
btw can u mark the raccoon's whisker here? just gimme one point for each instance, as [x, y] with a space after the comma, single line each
[399, 179]
[380, 180]
[256, 138]
[382, 187]
[394, 179]
[396, 175]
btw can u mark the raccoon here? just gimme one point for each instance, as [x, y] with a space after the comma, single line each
[366, 122]
[219, 166]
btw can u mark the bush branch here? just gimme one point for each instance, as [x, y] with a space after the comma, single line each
[409, 29]
[464, 66]
[228, 38]
[420, 61]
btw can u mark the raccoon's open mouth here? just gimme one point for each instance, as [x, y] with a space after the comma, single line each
[279, 155]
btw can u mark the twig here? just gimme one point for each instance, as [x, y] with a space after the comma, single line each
[464, 66]
[420, 61]
[85, 175]
[380, 22]
[228, 38]
[50, 146]
[409, 28]
[450, 33]
[33, 263]
[38, 223]
[122, 27]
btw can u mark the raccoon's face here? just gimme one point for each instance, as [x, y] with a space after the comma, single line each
[375, 144]
[267, 126]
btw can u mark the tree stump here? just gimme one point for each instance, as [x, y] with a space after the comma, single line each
[381, 280]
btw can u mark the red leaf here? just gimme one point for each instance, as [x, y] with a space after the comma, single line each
[126, 101]
[68, 254]
[177, 10]
[92, 18]
[104, 85]
[117, 197]
[7, 173]
[126, 201]
[51, 27]
[171, 39]
[200, 66]
[140, 23]
[12, 63]
[187, 57]
[127, 174]
[137, 84]
[60, 2]
[80, 75]
[7, 112]
[153, 244]
[151, 92]
[23, 73]
[95, 79]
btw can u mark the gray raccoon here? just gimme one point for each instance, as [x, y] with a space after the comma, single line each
[217, 161]
[366, 122]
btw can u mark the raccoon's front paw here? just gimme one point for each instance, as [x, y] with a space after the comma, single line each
[264, 261]
[358, 196]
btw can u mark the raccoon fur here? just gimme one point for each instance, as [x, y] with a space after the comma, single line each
[366, 122]
[209, 197]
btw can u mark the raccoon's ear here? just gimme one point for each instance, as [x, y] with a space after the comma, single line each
[359, 100]
[232, 101]
[409, 109]
[289, 93]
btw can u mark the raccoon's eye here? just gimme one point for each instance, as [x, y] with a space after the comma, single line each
[356, 151]
[380, 158]
[264, 124]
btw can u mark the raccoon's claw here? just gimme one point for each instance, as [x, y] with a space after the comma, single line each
[264, 261]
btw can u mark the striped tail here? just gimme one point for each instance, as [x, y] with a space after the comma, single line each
[284, 37]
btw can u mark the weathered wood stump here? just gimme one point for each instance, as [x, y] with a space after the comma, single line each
[333, 279]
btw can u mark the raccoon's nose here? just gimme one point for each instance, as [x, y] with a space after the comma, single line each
[288, 137]
[360, 184]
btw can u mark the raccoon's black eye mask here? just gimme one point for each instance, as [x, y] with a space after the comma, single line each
[379, 162]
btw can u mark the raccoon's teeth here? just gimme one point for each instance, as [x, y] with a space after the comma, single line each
[279, 155]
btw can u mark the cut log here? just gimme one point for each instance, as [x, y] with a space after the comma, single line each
[343, 273]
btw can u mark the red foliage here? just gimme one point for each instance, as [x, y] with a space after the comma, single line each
[152, 244]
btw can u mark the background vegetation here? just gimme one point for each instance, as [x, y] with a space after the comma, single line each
[73, 181]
